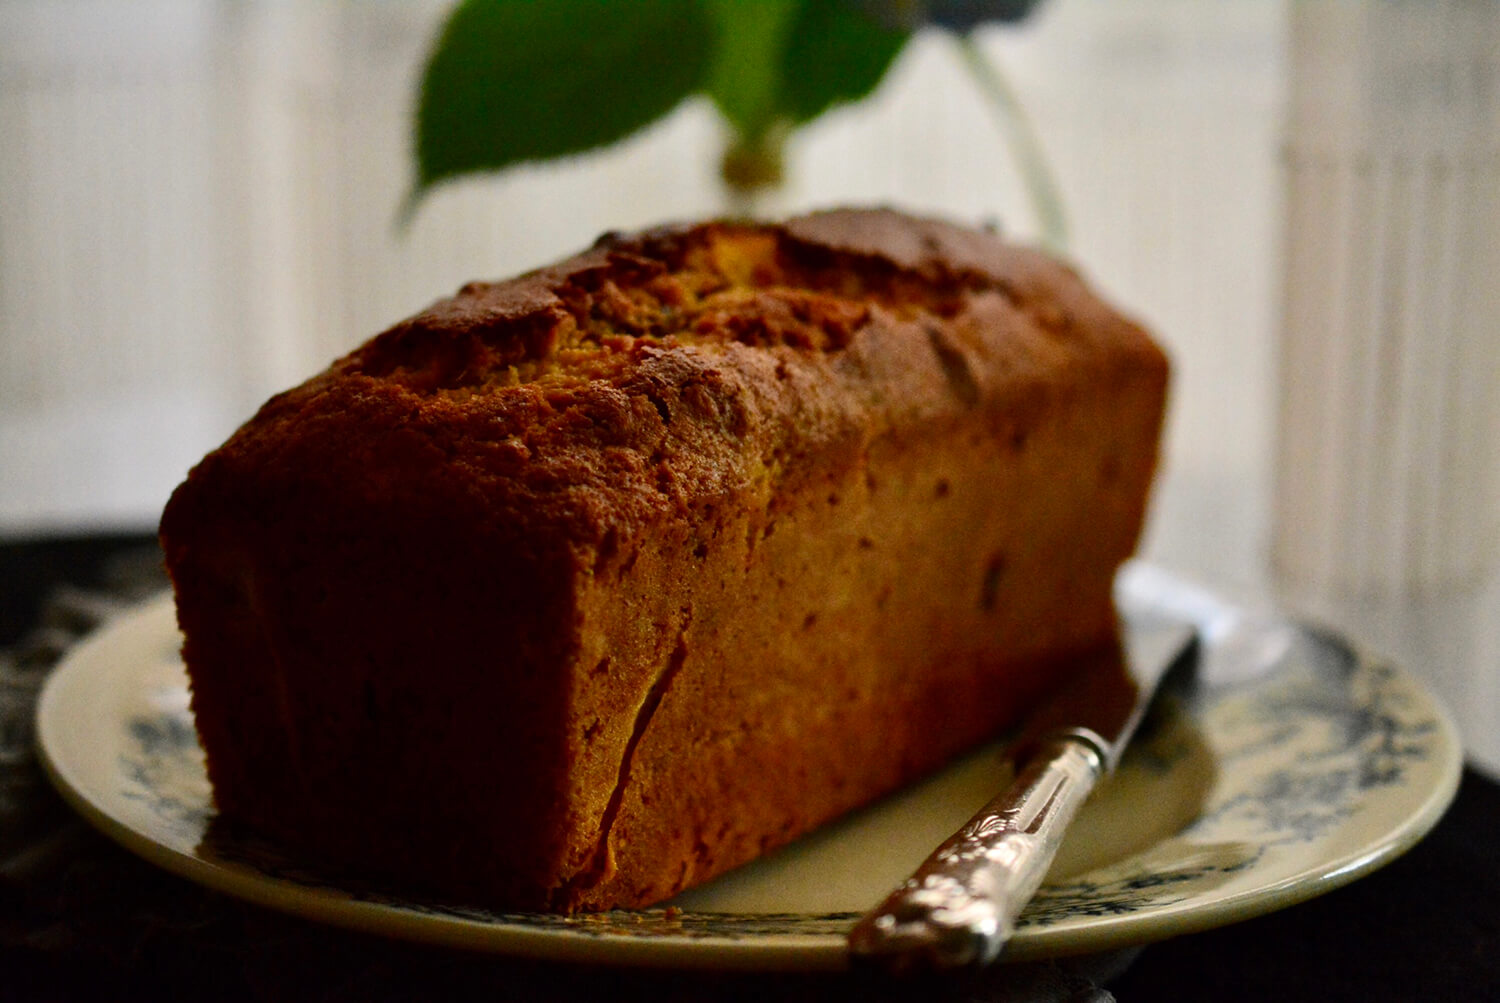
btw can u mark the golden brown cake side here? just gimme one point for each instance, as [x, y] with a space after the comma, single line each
[577, 590]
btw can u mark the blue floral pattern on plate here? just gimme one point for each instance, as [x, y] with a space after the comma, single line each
[1297, 763]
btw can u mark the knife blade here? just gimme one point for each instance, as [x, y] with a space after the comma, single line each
[961, 905]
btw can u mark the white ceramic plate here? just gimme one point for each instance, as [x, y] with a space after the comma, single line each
[1294, 764]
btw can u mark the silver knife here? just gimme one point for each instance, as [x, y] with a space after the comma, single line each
[961, 906]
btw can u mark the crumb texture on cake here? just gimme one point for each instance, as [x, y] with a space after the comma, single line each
[578, 589]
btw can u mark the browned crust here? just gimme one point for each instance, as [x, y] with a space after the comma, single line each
[489, 559]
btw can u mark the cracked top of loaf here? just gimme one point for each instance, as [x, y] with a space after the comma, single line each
[655, 367]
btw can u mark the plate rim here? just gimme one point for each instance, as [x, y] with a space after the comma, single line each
[783, 952]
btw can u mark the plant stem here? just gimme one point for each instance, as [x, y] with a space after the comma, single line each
[751, 167]
[1025, 146]
[742, 203]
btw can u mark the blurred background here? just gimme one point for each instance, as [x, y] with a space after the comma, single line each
[199, 202]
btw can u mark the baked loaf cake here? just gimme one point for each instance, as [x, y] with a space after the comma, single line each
[576, 590]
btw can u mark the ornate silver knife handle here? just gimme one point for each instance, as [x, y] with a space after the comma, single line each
[961, 906]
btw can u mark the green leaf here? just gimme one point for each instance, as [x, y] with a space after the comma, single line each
[778, 64]
[518, 80]
[750, 42]
[835, 55]
[789, 61]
